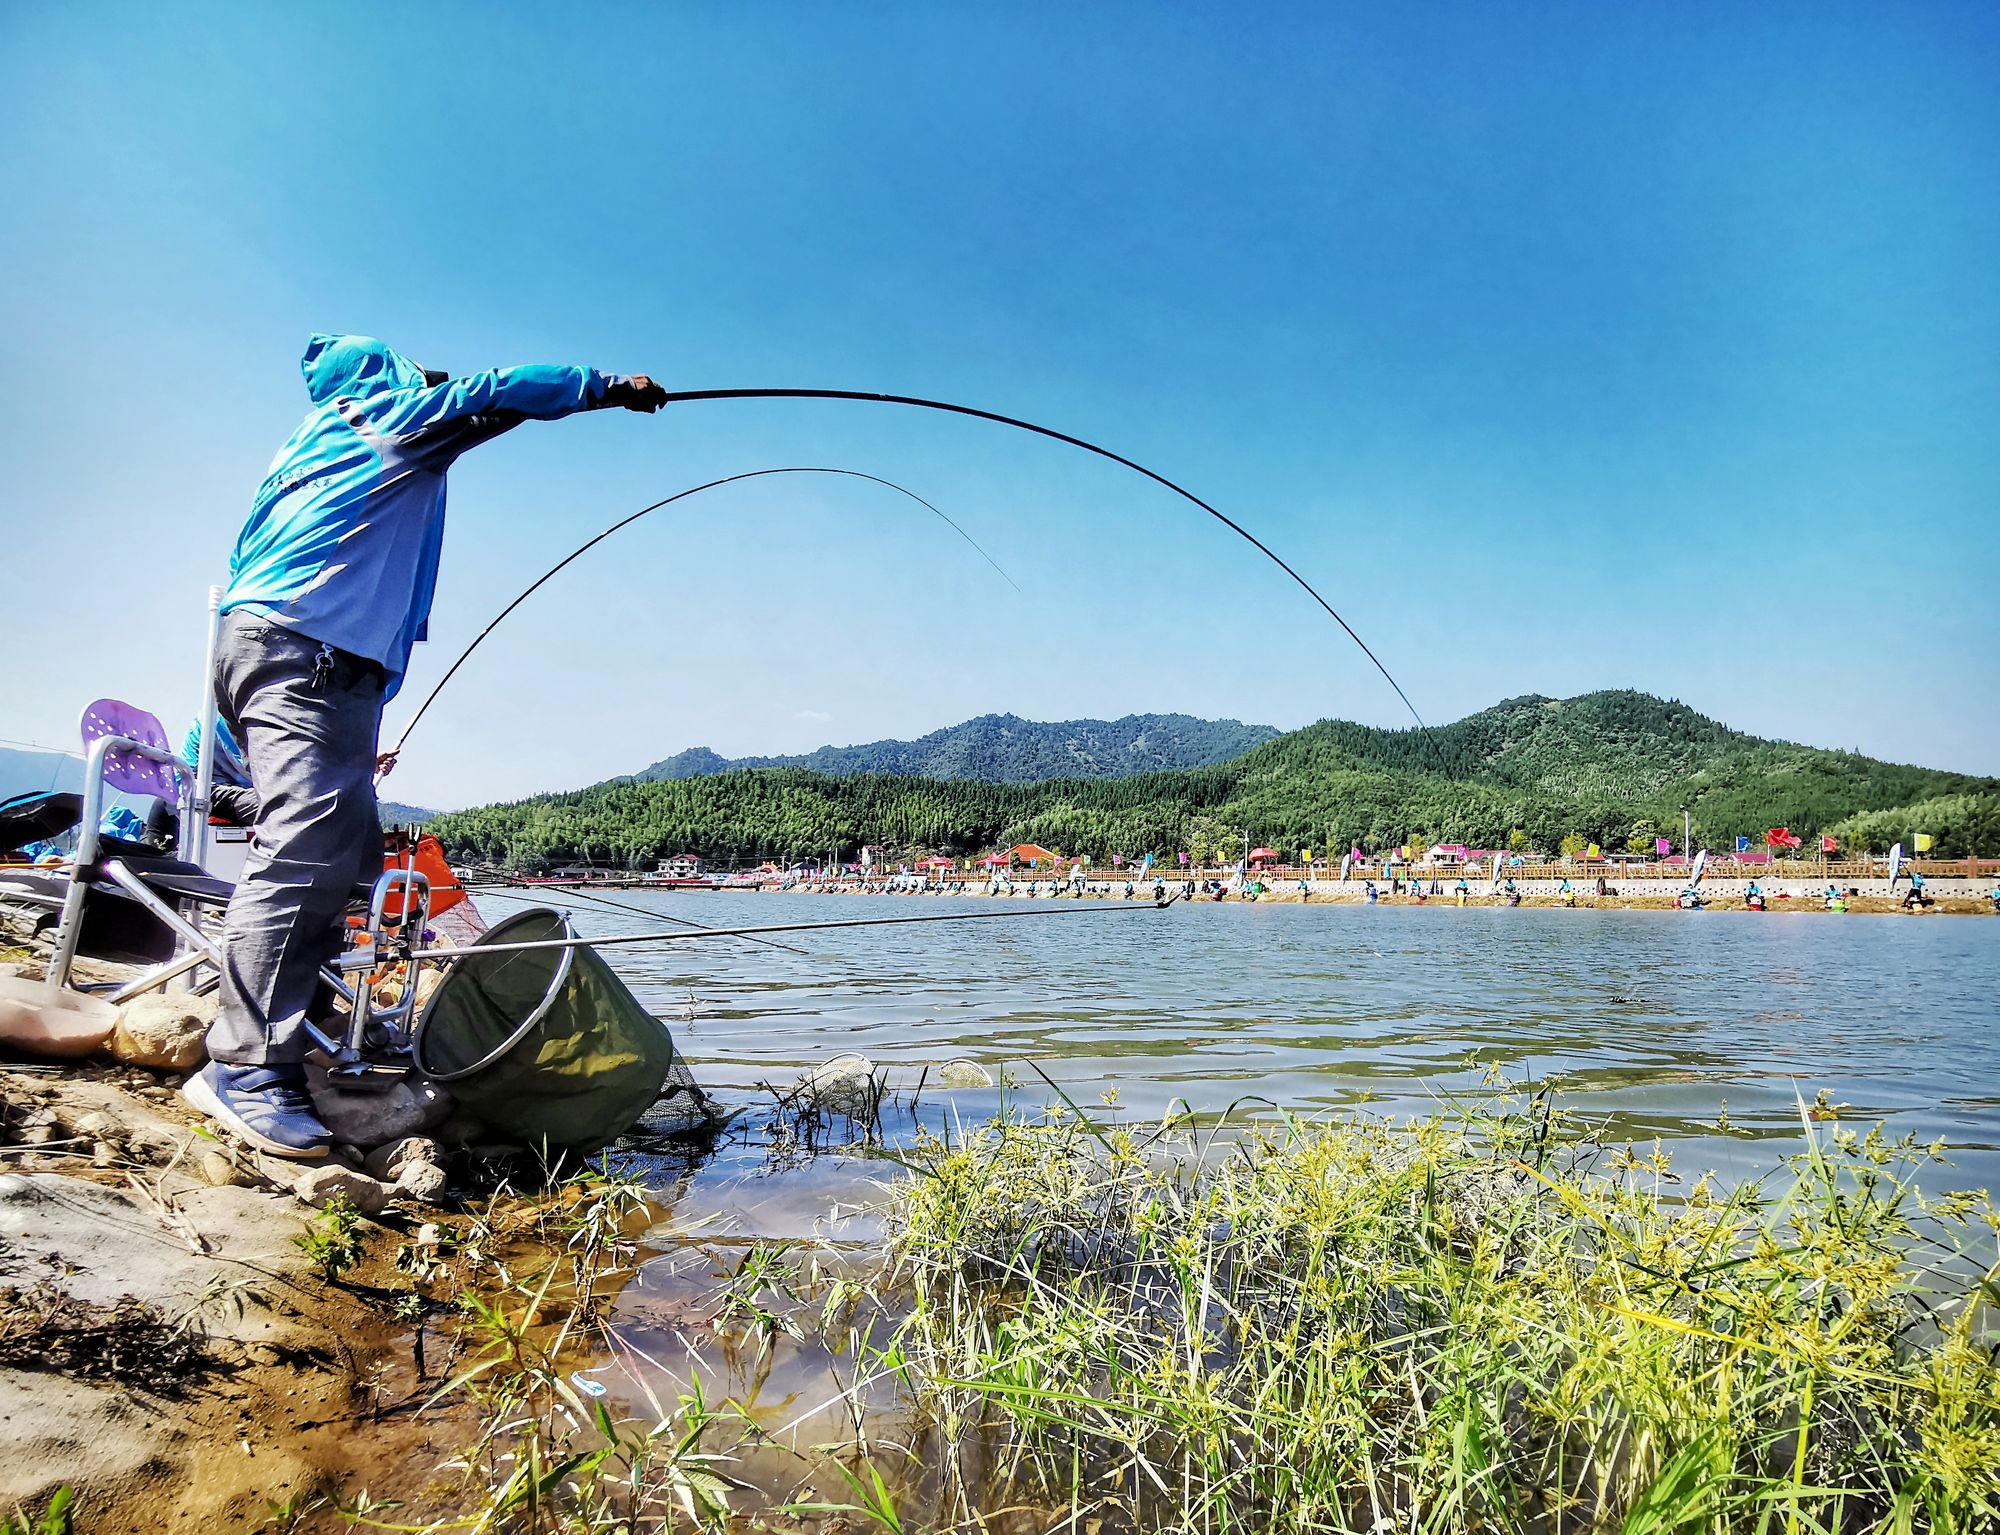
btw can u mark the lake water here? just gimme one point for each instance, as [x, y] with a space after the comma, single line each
[1653, 1020]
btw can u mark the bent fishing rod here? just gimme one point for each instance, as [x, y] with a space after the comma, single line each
[690, 395]
[624, 522]
[619, 940]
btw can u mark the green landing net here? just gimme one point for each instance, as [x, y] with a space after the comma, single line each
[550, 1047]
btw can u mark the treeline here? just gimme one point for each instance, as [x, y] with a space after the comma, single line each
[1609, 768]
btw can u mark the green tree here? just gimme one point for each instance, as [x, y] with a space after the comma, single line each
[1573, 844]
[1209, 841]
[1517, 841]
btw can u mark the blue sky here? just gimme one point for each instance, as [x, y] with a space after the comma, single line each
[1563, 347]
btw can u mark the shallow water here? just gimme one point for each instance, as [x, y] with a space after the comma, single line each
[1654, 1020]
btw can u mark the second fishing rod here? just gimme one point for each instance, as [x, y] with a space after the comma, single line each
[368, 961]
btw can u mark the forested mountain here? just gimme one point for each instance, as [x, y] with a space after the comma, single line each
[1004, 748]
[1612, 768]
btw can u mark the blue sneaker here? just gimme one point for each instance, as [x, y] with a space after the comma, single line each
[265, 1106]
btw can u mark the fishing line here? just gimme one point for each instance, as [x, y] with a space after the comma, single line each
[619, 940]
[1075, 442]
[728, 479]
[638, 911]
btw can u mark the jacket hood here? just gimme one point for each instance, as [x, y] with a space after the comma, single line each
[355, 366]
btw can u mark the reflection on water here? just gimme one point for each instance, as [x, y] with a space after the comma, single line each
[1655, 1019]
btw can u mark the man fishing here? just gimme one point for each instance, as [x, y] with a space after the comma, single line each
[330, 586]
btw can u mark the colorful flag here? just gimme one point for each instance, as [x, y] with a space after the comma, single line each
[1183, 859]
[1782, 836]
[1593, 851]
[1829, 844]
[1742, 844]
[1923, 842]
[1663, 845]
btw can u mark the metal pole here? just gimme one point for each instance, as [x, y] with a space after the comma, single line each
[194, 825]
[1687, 836]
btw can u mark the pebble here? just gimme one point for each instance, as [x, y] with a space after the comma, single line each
[103, 1154]
[219, 1170]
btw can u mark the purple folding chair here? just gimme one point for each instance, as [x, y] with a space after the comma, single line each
[125, 769]
[125, 748]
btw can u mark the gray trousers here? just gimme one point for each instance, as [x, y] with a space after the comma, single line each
[309, 728]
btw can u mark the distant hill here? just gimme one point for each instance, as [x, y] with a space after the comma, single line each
[395, 813]
[1004, 748]
[1611, 767]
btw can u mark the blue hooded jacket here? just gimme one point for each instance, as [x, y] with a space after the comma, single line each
[343, 540]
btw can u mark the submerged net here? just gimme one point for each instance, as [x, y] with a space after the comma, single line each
[550, 1047]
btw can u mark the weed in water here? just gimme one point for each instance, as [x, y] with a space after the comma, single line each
[543, 1456]
[1480, 1320]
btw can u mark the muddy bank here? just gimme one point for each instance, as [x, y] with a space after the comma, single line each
[166, 1346]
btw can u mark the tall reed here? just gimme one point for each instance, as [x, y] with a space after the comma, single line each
[1480, 1320]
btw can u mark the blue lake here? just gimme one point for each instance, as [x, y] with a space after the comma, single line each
[1653, 1021]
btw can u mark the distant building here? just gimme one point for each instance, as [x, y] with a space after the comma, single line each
[1448, 852]
[1031, 853]
[681, 866]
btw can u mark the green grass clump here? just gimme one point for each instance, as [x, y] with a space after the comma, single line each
[333, 1243]
[55, 1520]
[1474, 1321]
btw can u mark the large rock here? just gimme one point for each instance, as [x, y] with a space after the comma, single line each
[371, 1117]
[387, 1162]
[321, 1186]
[421, 1183]
[164, 1030]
